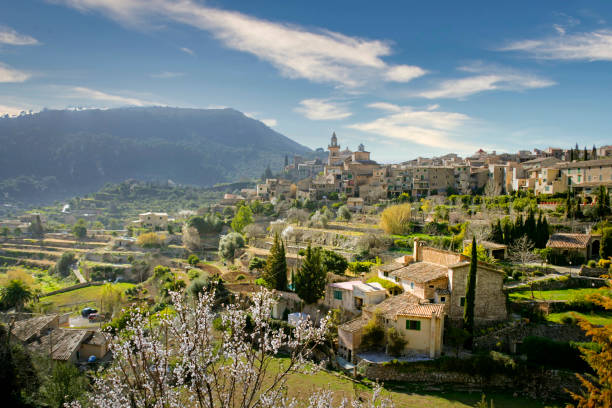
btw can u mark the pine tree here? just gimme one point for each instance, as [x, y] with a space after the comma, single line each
[470, 292]
[275, 273]
[311, 279]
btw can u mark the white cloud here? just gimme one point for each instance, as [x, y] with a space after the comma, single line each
[10, 110]
[269, 122]
[12, 37]
[587, 46]
[385, 106]
[425, 127]
[315, 55]
[323, 109]
[8, 74]
[404, 73]
[88, 93]
[167, 74]
[187, 50]
[488, 78]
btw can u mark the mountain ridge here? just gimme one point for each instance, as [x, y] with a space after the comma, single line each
[58, 153]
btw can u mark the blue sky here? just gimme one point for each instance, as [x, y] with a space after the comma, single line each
[406, 78]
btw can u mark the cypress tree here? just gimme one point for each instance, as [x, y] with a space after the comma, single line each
[497, 234]
[275, 273]
[470, 292]
[530, 226]
[519, 227]
[545, 232]
[585, 155]
[594, 153]
[311, 279]
[539, 236]
[507, 231]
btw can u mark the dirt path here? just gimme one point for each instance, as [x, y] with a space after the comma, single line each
[78, 274]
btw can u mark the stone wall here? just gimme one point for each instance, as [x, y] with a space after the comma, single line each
[563, 282]
[506, 338]
[541, 384]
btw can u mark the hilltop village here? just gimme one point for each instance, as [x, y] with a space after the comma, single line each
[472, 273]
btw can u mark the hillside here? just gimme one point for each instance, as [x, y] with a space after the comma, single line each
[54, 154]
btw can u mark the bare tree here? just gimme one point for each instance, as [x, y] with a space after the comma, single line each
[521, 252]
[492, 189]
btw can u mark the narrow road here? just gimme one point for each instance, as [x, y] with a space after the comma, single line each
[77, 273]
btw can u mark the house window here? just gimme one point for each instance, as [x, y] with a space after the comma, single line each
[386, 274]
[411, 285]
[462, 301]
[338, 294]
[413, 325]
[443, 299]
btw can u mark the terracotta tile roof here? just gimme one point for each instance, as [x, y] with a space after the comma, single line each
[566, 240]
[421, 272]
[26, 330]
[390, 306]
[393, 266]
[589, 163]
[64, 342]
[354, 325]
[422, 310]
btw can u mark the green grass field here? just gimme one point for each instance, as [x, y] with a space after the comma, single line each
[597, 318]
[565, 294]
[403, 395]
[75, 299]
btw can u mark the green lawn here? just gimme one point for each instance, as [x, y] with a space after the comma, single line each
[565, 294]
[403, 395]
[597, 318]
[77, 298]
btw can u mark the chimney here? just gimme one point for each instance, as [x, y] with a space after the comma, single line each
[417, 249]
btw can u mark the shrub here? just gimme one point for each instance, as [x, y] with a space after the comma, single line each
[395, 342]
[551, 353]
[194, 274]
[373, 333]
[240, 277]
[391, 287]
[333, 262]
[229, 244]
[150, 240]
[604, 263]
[396, 219]
[359, 267]
[592, 264]
[570, 320]
[193, 260]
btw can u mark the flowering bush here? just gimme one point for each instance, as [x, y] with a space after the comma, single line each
[180, 360]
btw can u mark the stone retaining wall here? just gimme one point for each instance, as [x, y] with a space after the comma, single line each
[541, 384]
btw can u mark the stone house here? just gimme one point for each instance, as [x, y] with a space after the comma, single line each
[419, 322]
[355, 203]
[440, 277]
[153, 220]
[353, 296]
[575, 245]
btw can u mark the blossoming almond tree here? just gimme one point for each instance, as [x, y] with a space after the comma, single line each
[179, 360]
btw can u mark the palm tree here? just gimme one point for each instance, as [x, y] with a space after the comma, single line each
[16, 294]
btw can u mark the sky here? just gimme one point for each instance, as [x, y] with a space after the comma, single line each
[405, 78]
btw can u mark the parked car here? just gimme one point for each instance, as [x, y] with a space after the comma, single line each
[87, 311]
[95, 317]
